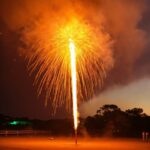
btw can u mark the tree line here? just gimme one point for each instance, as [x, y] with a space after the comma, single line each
[109, 120]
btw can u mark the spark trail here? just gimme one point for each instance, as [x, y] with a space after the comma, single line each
[74, 85]
[69, 59]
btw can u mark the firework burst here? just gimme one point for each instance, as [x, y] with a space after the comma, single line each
[48, 58]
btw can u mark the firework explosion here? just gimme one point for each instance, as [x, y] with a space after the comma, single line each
[48, 56]
[46, 32]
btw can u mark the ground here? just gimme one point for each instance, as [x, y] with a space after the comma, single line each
[47, 143]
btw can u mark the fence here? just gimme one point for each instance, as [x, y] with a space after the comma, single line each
[23, 132]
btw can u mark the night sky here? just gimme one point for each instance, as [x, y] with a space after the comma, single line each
[127, 84]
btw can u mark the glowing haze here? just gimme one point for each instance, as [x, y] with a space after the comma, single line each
[49, 59]
[106, 34]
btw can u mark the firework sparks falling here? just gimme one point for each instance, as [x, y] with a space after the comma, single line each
[49, 59]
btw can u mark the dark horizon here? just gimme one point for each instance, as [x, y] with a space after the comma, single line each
[108, 121]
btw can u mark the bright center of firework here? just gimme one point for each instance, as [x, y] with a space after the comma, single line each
[74, 81]
[70, 59]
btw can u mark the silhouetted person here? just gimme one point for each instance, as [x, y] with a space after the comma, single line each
[143, 136]
[146, 136]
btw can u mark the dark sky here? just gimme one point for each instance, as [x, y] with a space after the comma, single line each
[18, 96]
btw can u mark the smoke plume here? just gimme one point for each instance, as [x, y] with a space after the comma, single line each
[119, 19]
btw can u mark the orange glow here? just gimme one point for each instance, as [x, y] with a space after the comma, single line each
[69, 59]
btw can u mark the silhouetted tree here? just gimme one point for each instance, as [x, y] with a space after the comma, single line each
[107, 109]
[135, 112]
[110, 120]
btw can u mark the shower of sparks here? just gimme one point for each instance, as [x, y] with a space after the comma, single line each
[49, 59]
[74, 82]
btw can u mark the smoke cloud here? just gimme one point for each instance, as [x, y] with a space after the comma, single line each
[119, 18]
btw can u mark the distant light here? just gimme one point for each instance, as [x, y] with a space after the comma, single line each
[14, 123]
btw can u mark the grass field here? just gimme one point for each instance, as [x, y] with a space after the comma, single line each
[47, 143]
